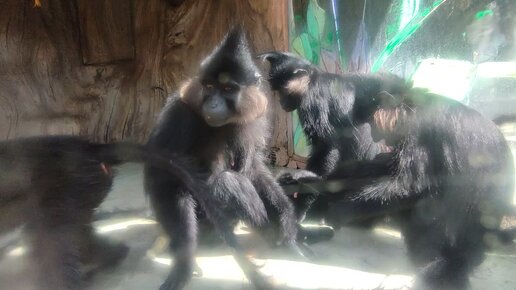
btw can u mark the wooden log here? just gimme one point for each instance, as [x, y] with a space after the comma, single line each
[45, 88]
[106, 31]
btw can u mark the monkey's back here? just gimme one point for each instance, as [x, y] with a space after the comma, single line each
[58, 173]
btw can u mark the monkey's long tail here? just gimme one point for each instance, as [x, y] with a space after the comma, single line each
[177, 166]
[122, 152]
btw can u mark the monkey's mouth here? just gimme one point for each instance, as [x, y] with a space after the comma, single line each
[215, 122]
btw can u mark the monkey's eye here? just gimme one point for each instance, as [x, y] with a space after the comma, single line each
[209, 86]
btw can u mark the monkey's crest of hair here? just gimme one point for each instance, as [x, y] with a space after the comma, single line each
[232, 59]
[233, 56]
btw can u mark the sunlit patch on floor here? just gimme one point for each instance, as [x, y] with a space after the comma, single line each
[501, 255]
[123, 225]
[298, 274]
[16, 252]
[387, 232]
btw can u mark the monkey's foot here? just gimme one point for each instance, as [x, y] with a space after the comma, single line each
[175, 281]
[312, 235]
[261, 281]
[105, 253]
[442, 274]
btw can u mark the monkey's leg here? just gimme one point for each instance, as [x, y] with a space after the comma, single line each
[55, 237]
[250, 269]
[176, 214]
[281, 211]
[233, 196]
[236, 195]
[302, 203]
[444, 253]
[100, 252]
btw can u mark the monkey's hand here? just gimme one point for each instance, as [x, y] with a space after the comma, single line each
[297, 176]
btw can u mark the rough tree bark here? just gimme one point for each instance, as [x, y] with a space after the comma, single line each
[65, 69]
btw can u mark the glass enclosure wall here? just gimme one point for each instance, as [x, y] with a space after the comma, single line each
[462, 49]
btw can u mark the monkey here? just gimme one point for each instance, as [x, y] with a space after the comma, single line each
[219, 119]
[447, 180]
[53, 184]
[323, 102]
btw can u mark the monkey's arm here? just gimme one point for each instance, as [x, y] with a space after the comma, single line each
[380, 166]
[389, 176]
[358, 190]
[377, 194]
[408, 173]
[323, 159]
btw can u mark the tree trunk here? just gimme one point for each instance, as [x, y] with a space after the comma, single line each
[103, 68]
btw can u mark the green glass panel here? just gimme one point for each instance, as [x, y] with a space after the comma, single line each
[405, 33]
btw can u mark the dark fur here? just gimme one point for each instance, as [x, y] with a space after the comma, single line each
[450, 176]
[230, 152]
[324, 109]
[54, 184]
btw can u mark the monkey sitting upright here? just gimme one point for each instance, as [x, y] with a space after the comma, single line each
[218, 119]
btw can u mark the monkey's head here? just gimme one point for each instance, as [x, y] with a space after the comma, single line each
[377, 91]
[289, 75]
[227, 89]
[380, 100]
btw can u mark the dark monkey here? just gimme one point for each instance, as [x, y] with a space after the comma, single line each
[323, 102]
[218, 119]
[53, 184]
[450, 173]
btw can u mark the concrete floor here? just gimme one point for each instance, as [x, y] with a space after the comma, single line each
[354, 259]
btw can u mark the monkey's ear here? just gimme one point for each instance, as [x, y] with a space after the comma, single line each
[299, 84]
[190, 92]
[272, 56]
[253, 105]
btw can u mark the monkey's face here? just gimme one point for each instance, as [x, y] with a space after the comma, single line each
[222, 100]
[290, 76]
[221, 97]
[227, 90]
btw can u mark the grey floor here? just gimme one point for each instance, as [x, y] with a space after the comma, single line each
[354, 259]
